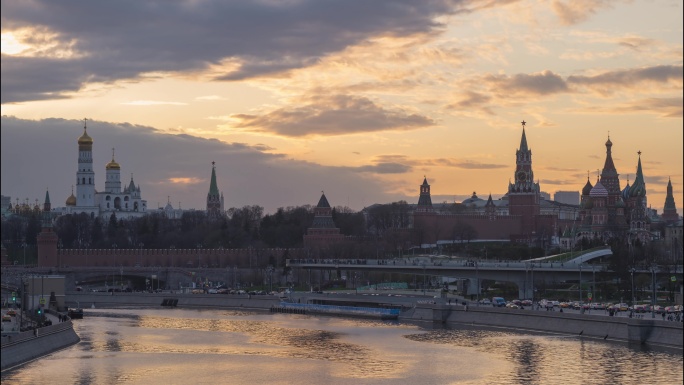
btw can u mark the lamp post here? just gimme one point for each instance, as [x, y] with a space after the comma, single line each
[653, 289]
[631, 271]
[269, 270]
[424, 277]
[86, 244]
[199, 246]
[593, 281]
[59, 254]
[114, 247]
[23, 245]
[172, 250]
[140, 256]
[580, 282]
[477, 281]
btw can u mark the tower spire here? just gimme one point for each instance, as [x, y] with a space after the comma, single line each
[523, 140]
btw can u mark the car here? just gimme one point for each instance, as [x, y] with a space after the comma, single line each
[512, 305]
[6, 318]
[597, 306]
[564, 305]
[12, 313]
[498, 302]
[640, 308]
[527, 302]
[485, 301]
[623, 307]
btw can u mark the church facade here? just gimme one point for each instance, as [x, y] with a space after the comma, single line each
[124, 202]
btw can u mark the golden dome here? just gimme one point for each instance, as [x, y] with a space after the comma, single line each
[71, 200]
[85, 138]
[112, 165]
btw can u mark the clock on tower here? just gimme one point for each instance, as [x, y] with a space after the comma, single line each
[522, 176]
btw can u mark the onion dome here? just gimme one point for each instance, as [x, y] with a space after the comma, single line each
[625, 191]
[587, 188]
[85, 139]
[71, 200]
[599, 190]
[113, 165]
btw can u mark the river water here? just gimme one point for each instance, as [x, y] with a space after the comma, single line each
[180, 346]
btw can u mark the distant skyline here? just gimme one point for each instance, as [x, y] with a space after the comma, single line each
[358, 99]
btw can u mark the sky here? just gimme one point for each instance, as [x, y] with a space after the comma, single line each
[359, 99]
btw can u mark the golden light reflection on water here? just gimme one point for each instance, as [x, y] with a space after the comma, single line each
[265, 339]
[567, 360]
[153, 346]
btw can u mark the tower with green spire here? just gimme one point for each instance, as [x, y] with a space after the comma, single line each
[214, 198]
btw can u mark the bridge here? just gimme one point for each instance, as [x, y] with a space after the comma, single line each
[525, 274]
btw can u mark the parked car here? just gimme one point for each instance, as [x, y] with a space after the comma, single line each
[485, 301]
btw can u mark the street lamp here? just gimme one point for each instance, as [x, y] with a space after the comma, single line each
[114, 247]
[172, 250]
[631, 271]
[653, 288]
[86, 244]
[269, 270]
[477, 280]
[140, 256]
[580, 301]
[199, 246]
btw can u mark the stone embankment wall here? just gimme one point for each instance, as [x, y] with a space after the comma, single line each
[644, 331]
[107, 300]
[23, 347]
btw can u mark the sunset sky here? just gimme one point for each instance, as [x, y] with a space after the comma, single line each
[360, 99]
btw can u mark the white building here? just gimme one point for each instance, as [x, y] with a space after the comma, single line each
[126, 203]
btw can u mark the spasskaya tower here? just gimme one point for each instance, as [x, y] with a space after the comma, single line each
[523, 194]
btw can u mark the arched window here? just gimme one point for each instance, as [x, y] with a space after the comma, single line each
[126, 198]
[84, 181]
[107, 203]
[90, 181]
[108, 198]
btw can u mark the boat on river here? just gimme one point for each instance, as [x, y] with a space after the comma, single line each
[352, 311]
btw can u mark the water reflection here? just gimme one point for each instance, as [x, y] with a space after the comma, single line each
[568, 360]
[150, 346]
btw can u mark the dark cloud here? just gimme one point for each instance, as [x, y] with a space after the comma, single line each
[467, 164]
[631, 77]
[121, 40]
[333, 115]
[43, 153]
[543, 83]
[473, 100]
[439, 162]
[383, 168]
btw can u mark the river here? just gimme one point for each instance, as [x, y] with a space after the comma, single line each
[181, 346]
